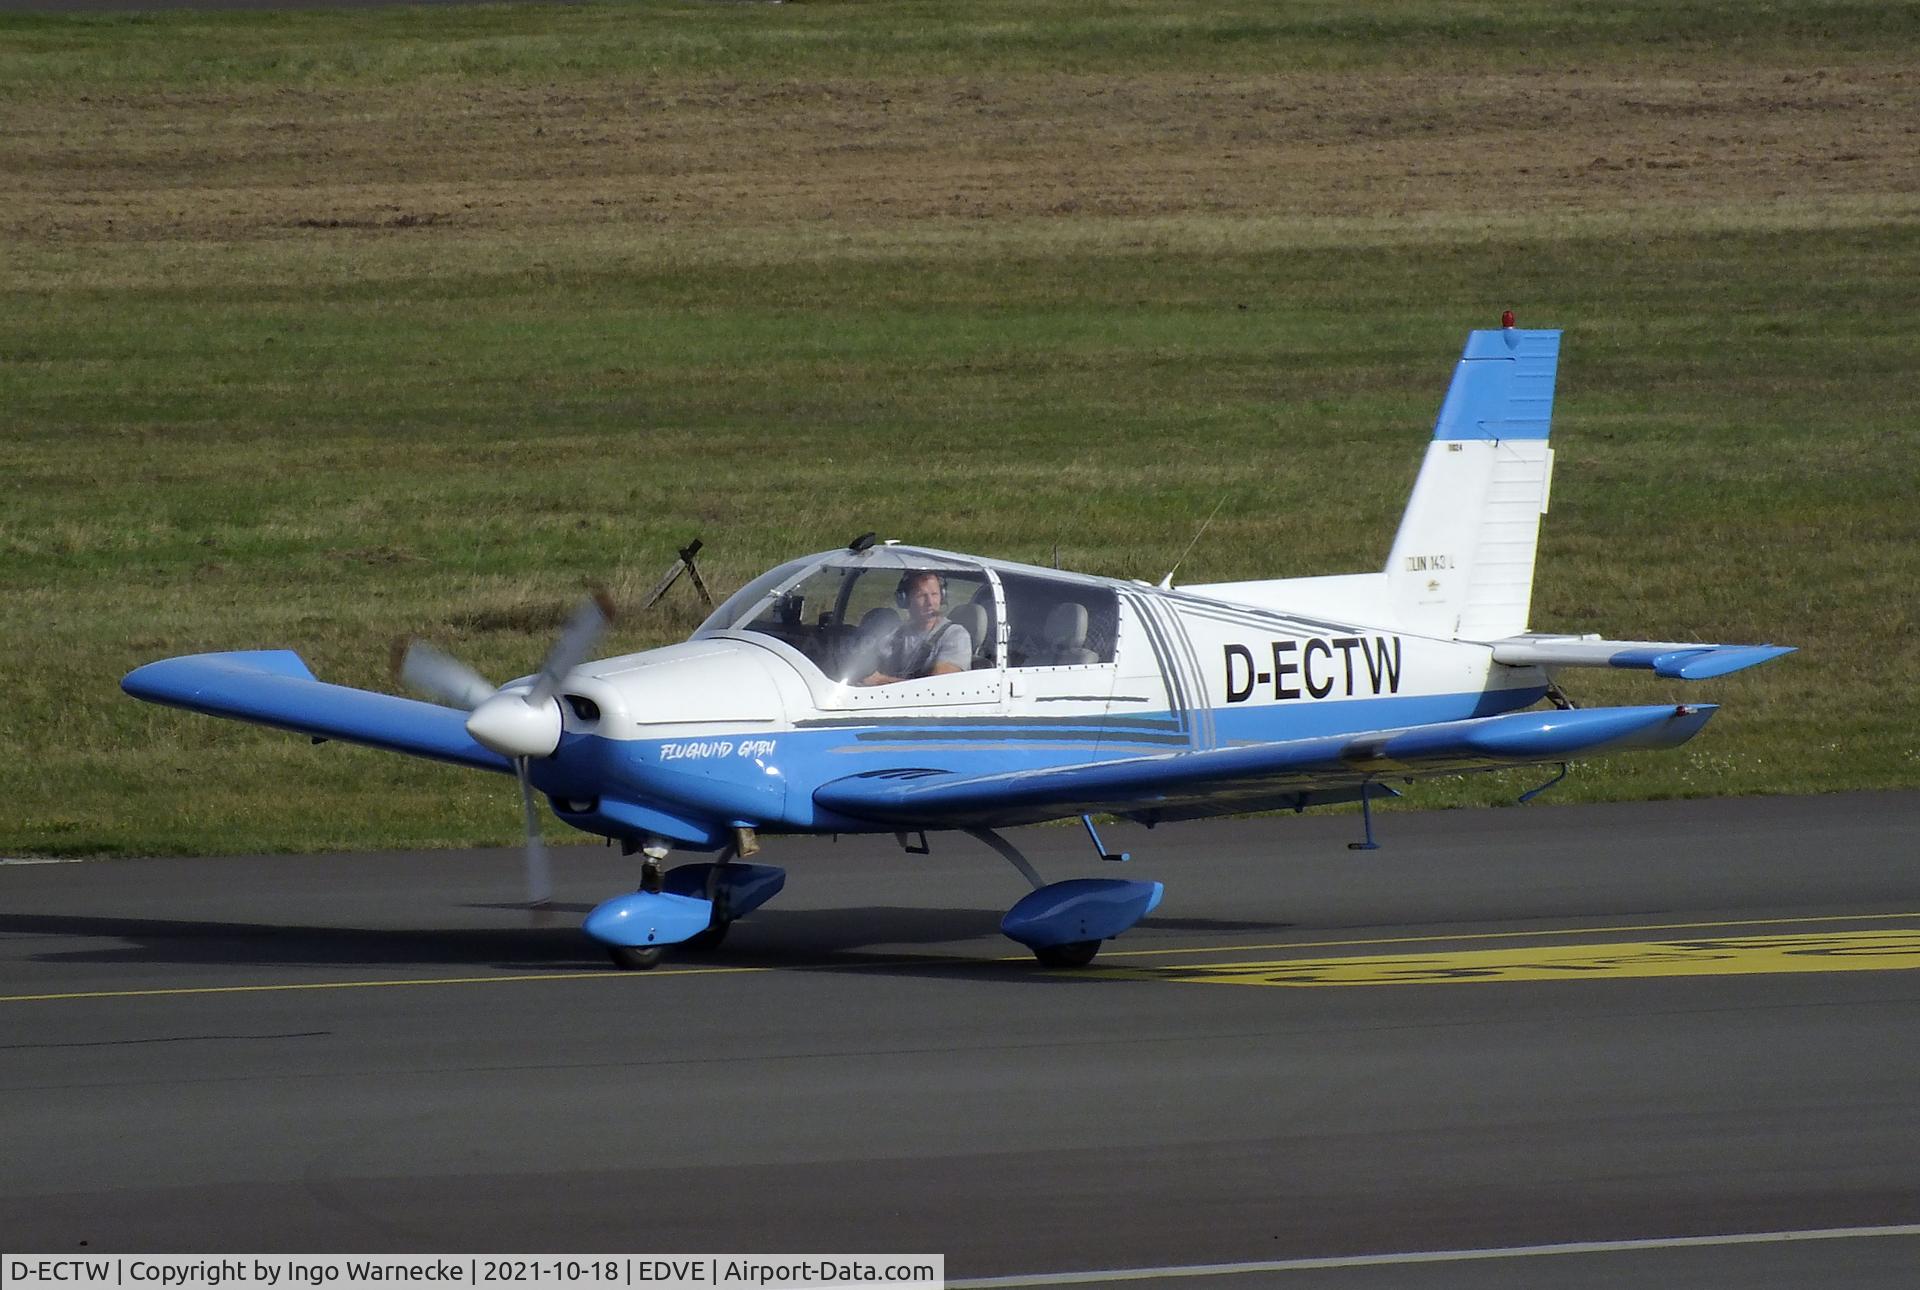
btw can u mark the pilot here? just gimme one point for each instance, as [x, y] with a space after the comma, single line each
[927, 643]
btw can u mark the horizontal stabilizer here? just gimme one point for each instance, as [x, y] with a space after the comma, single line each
[1244, 778]
[276, 688]
[1679, 660]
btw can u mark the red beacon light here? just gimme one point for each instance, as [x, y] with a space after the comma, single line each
[1506, 319]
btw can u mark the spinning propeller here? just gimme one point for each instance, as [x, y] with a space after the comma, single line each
[519, 724]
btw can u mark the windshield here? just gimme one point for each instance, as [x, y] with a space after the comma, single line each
[842, 610]
[736, 606]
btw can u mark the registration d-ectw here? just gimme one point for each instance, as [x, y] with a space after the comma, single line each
[60, 1270]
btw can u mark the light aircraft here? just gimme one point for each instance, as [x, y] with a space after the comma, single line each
[1059, 695]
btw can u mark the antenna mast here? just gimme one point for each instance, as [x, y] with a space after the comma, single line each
[1166, 583]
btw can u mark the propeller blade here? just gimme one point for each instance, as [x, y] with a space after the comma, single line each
[439, 676]
[576, 641]
[539, 874]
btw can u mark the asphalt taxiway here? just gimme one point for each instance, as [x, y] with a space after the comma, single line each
[1505, 1031]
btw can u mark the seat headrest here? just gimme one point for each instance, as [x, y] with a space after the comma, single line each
[984, 599]
[883, 616]
[1067, 625]
[974, 619]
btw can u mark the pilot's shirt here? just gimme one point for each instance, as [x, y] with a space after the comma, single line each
[910, 653]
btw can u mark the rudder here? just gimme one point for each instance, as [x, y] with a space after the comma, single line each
[1462, 561]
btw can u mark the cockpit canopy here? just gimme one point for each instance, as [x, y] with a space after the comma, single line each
[839, 608]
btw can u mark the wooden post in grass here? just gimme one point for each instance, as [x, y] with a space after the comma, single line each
[682, 563]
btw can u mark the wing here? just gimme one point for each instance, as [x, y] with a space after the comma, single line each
[1676, 659]
[276, 688]
[1299, 772]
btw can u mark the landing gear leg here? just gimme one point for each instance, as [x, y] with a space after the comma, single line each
[656, 850]
[1008, 852]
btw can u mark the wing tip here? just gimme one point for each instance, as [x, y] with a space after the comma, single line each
[163, 679]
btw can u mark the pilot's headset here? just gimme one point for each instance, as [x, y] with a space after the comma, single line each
[911, 576]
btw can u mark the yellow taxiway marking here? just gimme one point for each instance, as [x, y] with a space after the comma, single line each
[1507, 936]
[1873, 951]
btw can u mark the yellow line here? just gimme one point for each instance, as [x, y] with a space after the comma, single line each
[1500, 936]
[605, 974]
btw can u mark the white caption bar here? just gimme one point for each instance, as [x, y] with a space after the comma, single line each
[497, 1271]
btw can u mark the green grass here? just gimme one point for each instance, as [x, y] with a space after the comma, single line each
[223, 431]
[908, 38]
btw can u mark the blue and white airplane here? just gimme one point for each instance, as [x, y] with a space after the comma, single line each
[1037, 694]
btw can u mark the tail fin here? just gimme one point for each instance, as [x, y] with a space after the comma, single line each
[1462, 563]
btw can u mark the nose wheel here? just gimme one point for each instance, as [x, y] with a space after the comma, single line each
[694, 905]
[638, 958]
[641, 958]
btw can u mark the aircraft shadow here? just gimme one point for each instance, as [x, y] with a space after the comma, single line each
[156, 940]
[868, 938]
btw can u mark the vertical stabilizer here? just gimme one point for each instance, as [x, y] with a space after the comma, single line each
[1462, 563]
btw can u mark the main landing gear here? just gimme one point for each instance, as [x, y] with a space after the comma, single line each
[1063, 923]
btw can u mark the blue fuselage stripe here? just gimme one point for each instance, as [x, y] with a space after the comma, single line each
[769, 780]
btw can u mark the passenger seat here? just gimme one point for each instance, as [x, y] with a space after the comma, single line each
[1066, 635]
[973, 619]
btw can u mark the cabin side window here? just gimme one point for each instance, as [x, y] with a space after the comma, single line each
[1054, 622]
